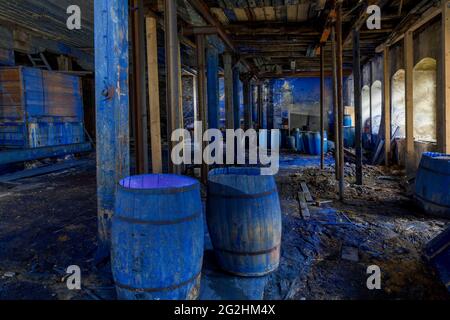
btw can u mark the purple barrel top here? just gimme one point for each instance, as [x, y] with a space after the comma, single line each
[157, 182]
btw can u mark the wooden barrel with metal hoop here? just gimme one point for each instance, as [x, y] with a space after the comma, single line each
[244, 220]
[433, 184]
[157, 238]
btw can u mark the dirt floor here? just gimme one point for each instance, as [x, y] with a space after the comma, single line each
[378, 222]
[49, 223]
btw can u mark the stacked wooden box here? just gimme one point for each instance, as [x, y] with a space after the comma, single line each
[39, 108]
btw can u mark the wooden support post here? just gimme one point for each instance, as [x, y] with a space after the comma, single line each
[112, 109]
[270, 106]
[387, 105]
[358, 105]
[340, 99]
[201, 95]
[260, 105]
[446, 73]
[180, 113]
[335, 101]
[247, 105]
[322, 107]
[213, 87]
[139, 90]
[409, 103]
[370, 102]
[229, 98]
[153, 94]
[236, 99]
[172, 75]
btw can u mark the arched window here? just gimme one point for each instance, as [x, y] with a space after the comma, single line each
[377, 97]
[425, 102]
[398, 116]
[365, 92]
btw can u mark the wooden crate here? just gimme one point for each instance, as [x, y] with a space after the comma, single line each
[39, 108]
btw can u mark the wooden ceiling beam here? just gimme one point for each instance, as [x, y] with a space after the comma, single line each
[205, 12]
[362, 17]
[300, 74]
[264, 29]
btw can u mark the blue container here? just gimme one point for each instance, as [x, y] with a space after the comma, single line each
[300, 144]
[157, 238]
[433, 184]
[348, 120]
[244, 220]
[307, 147]
[349, 137]
[325, 142]
[292, 143]
[314, 143]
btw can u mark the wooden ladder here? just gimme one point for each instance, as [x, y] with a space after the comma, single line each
[39, 61]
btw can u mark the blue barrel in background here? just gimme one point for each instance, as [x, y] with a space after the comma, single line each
[315, 143]
[349, 137]
[157, 238]
[300, 144]
[299, 140]
[244, 220]
[348, 120]
[292, 143]
[307, 142]
[433, 184]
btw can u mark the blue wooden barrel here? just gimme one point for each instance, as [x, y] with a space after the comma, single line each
[244, 220]
[433, 184]
[157, 238]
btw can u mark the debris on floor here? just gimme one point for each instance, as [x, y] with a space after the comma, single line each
[323, 257]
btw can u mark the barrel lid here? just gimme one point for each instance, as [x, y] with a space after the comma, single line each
[240, 180]
[158, 183]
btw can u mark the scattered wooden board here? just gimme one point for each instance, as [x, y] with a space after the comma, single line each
[303, 206]
[41, 170]
[320, 203]
[305, 189]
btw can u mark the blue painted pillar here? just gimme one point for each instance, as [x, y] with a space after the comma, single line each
[253, 104]
[112, 108]
[270, 105]
[212, 66]
[248, 123]
[236, 99]
[264, 106]
[260, 105]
